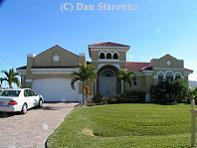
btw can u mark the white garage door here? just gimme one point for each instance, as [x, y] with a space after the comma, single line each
[56, 89]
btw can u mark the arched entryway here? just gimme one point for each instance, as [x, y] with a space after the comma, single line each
[107, 81]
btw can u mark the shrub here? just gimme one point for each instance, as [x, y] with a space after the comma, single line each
[167, 92]
[134, 96]
[97, 98]
[128, 97]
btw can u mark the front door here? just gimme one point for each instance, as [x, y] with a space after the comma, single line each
[107, 83]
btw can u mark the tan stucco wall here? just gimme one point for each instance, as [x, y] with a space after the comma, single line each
[46, 58]
[95, 53]
[162, 62]
[143, 84]
[140, 84]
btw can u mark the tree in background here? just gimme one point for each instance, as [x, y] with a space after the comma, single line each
[86, 73]
[11, 77]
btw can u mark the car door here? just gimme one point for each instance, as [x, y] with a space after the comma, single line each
[35, 98]
[27, 97]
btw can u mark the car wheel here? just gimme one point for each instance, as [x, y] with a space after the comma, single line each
[40, 103]
[24, 109]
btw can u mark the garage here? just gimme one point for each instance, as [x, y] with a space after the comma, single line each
[56, 89]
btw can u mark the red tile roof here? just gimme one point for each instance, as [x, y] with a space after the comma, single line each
[108, 44]
[186, 69]
[138, 66]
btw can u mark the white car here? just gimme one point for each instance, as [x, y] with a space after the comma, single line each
[19, 100]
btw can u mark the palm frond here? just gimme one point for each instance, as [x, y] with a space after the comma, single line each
[73, 82]
[126, 76]
[11, 76]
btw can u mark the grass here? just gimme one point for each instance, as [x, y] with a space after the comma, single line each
[125, 125]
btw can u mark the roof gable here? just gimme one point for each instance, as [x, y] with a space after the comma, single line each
[108, 44]
[168, 56]
[55, 47]
[65, 58]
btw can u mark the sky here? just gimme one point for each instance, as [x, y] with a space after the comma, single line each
[156, 28]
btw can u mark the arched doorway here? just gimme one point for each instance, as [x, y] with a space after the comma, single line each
[107, 83]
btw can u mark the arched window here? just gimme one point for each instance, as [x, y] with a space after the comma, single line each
[169, 76]
[115, 56]
[107, 73]
[160, 77]
[102, 56]
[178, 76]
[109, 56]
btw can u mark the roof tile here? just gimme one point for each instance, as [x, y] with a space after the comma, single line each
[108, 44]
[138, 66]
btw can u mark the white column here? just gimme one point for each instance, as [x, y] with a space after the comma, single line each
[122, 87]
[95, 86]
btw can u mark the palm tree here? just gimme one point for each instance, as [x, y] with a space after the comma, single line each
[193, 93]
[1, 81]
[11, 77]
[86, 73]
[126, 76]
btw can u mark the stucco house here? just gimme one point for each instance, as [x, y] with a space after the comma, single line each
[49, 73]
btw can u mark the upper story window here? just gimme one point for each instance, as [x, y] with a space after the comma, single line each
[115, 56]
[109, 56]
[56, 58]
[102, 56]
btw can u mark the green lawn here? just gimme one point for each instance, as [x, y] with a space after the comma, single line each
[125, 125]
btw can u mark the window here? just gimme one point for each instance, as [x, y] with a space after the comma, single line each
[107, 74]
[102, 56]
[178, 78]
[169, 78]
[160, 79]
[26, 93]
[109, 56]
[115, 56]
[10, 93]
[34, 93]
[56, 58]
[168, 62]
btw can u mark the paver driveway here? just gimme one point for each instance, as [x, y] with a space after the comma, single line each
[33, 128]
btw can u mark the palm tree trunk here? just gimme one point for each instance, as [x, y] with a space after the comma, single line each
[122, 87]
[83, 93]
[10, 85]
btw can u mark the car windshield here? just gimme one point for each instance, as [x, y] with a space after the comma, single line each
[10, 93]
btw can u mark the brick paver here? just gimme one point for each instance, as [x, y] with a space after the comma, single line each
[32, 129]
